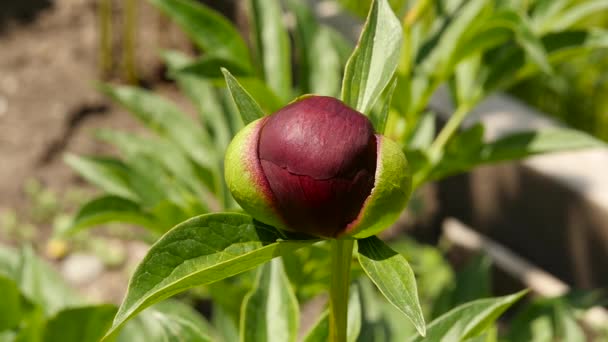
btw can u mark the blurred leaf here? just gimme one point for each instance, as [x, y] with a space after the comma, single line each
[165, 155]
[11, 308]
[472, 282]
[319, 330]
[32, 326]
[306, 270]
[272, 42]
[210, 31]
[166, 321]
[167, 120]
[199, 251]
[320, 65]
[225, 324]
[202, 94]
[80, 324]
[249, 109]
[374, 60]
[576, 13]
[525, 37]
[41, 285]
[109, 174]
[393, 276]
[424, 133]
[270, 311]
[210, 67]
[264, 96]
[568, 328]
[468, 320]
[9, 260]
[354, 314]
[108, 209]
[470, 154]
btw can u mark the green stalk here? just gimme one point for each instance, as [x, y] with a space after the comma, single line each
[341, 258]
[104, 13]
[130, 25]
[449, 129]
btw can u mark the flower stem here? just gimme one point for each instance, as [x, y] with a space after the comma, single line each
[341, 258]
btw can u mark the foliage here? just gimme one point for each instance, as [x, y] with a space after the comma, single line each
[475, 47]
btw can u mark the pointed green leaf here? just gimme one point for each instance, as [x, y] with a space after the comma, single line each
[169, 320]
[211, 67]
[393, 276]
[12, 304]
[249, 109]
[210, 31]
[468, 320]
[167, 120]
[270, 311]
[109, 174]
[464, 155]
[42, 285]
[79, 324]
[374, 60]
[272, 42]
[199, 251]
[379, 116]
[320, 330]
[576, 13]
[108, 209]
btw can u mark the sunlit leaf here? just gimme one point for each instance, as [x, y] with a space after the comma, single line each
[199, 251]
[374, 60]
[270, 311]
[393, 276]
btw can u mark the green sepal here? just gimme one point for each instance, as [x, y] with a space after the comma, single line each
[391, 192]
[245, 178]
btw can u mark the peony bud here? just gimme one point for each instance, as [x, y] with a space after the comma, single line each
[316, 167]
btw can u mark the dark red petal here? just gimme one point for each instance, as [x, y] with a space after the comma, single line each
[319, 137]
[319, 158]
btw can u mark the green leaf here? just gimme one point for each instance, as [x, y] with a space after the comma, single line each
[249, 109]
[468, 320]
[79, 324]
[393, 276]
[11, 308]
[272, 42]
[167, 321]
[374, 60]
[210, 31]
[379, 116]
[41, 285]
[108, 209]
[109, 174]
[167, 120]
[163, 154]
[354, 315]
[320, 330]
[424, 133]
[576, 13]
[9, 261]
[210, 67]
[264, 96]
[270, 311]
[199, 251]
[513, 147]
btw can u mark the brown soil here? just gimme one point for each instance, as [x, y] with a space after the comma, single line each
[48, 102]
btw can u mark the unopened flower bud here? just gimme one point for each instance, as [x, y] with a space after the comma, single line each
[316, 167]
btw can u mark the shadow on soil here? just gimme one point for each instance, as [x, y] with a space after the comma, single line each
[21, 11]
